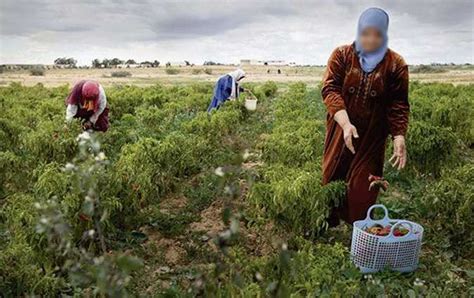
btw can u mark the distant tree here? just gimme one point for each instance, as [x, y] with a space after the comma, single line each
[155, 63]
[71, 62]
[63, 61]
[211, 63]
[168, 64]
[116, 61]
[60, 61]
[106, 63]
[130, 61]
[187, 63]
[96, 63]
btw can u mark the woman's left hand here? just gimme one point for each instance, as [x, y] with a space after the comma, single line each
[87, 125]
[399, 157]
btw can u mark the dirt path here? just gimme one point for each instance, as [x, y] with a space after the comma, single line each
[178, 258]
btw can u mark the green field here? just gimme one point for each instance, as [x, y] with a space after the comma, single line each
[174, 202]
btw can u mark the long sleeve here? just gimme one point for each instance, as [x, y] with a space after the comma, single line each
[333, 81]
[102, 105]
[398, 109]
[71, 111]
[227, 88]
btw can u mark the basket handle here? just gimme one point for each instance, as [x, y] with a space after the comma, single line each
[377, 206]
[251, 93]
[401, 222]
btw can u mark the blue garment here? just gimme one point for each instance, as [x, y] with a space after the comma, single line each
[222, 92]
[377, 18]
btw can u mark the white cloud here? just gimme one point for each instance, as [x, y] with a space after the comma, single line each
[303, 31]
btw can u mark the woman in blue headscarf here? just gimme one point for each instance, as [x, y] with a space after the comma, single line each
[365, 90]
[227, 88]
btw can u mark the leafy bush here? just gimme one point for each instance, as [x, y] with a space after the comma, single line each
[208, 71]
[220, 124]
[445, 105]
[289, 143]
[446, 207]
[269, 89]
[48, 142]
[290, 188]
[427, 69]
[172, 71]
[121, 74]
[296, 198]
[37, 72]
[429, 146]
[150, 167]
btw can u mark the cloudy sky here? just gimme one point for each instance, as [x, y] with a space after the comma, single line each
[304, 31]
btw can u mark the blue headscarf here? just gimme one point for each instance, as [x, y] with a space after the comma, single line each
[377, 18]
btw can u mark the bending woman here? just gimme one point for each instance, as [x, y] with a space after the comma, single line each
[227, 88]
[365, 90]
[88, 102]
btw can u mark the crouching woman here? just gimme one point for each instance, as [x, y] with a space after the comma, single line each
[87, 101]
[365, 90]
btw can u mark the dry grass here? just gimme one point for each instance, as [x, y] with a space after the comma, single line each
[150, 76]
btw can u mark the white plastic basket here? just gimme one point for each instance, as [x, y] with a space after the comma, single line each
[251, 104]
[371, 253]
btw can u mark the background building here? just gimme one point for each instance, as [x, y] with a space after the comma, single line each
[263, 62]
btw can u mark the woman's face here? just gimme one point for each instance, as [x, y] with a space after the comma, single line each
[371, 39]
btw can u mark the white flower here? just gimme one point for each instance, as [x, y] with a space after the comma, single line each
[258, 276]
[69, 167]
[90, 233]
[234, 226]
[100, 156]
[198, 283]
[246, 154]
[418, 282]
[88, 199]
[84, 136]
[37, 205]
[226, 234]
[44, 220]
[284, 246]
[98, 260]
[95, 146]
[219, 172]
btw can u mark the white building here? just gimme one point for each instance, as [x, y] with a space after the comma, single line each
[177, 63]
[128, 65]
[263, 62]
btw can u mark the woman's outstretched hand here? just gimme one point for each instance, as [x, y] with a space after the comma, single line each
[349, 130]
[399, 157]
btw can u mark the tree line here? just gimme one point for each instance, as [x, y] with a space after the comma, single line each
[65, 62]
[114, 62]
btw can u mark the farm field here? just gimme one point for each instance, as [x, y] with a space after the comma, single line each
[310, 75]
[174, 202]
